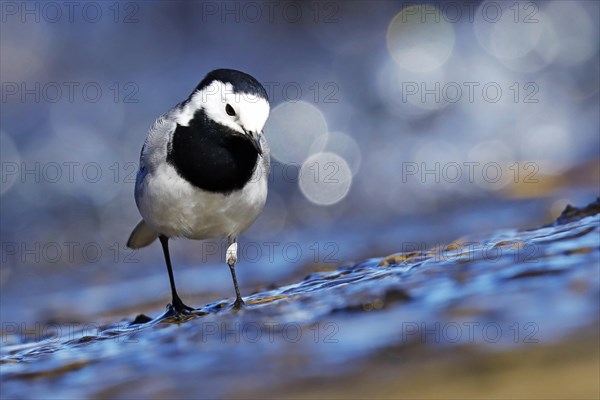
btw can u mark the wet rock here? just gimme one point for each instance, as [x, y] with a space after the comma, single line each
[476, 298]
[571, 213]
[141, 319]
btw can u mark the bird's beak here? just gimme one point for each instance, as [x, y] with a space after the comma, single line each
[255, 139]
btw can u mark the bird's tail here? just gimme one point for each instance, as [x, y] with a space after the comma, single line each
[141, 236]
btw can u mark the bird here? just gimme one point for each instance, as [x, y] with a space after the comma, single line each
[203, 171]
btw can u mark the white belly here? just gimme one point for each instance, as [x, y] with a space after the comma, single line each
[173, 207]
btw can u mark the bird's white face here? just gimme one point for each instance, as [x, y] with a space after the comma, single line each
[242, 112]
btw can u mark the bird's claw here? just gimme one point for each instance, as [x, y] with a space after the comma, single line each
[238, 304]
[180, 307]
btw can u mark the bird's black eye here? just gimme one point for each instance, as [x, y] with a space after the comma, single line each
[229, 110]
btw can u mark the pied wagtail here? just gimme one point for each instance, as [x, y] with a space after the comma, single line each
[204, 169]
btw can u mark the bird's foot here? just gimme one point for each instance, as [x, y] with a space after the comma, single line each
[179, 307]
[238, 304]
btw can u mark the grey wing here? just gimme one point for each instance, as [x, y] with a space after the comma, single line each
[158, 141]
[266, 156]
[154, 152]
[155, 149]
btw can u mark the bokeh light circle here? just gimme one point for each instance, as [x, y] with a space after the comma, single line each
[325, 178]
[292, 130]
[575, 37]
[419, 39]
[507, 30]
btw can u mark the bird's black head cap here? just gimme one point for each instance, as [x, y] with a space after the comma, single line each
[241, 82]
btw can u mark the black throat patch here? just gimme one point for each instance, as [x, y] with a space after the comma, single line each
[210, 156]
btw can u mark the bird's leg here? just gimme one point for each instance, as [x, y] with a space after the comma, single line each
[231, 257]
[177, 304]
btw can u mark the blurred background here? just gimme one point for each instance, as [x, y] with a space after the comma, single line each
[394, 127]
[391, 123]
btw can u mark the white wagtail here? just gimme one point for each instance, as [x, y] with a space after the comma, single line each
[204, 169]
